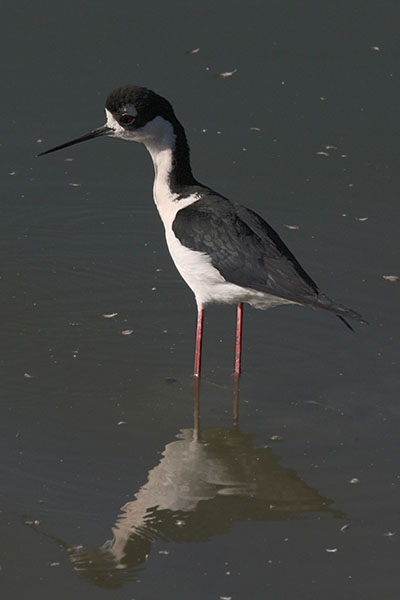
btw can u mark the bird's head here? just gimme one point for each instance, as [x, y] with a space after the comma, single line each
[133, 114]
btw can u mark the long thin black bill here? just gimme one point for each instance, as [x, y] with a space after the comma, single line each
[88, 136]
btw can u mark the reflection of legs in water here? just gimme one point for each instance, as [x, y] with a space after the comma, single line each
[196, 405]
[236, 392]
[196, 411]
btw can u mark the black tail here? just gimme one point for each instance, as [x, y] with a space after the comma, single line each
[341, 311]
[346, 322]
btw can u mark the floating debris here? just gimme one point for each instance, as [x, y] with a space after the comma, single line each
[392, 278]
[127, 332]
[36, 522]
[276, 438]
[345, 528]
[109, 315]
[255, 128]
[354, 480]
[227, 73]
[291, 226]
[13, 173]
[389, 534]
[375, 48]
[75, 184]
[361, 218]
[121, 423]
[39, 141]
[321, 153]
[194, 51]
[165, 552]
[54, 564]
[28, 376]
[331, 550]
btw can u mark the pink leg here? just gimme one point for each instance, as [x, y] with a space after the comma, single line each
[239, 328]
[199, 342]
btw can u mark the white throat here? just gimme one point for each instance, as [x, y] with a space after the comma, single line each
[160, 140]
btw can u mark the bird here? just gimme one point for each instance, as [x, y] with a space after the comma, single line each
[224, 251]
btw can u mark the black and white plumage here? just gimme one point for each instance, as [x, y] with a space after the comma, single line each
[224, 251]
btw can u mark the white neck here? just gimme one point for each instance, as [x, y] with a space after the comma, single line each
[161, 148]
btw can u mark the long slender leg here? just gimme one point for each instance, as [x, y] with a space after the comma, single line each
[199, 342]
[239, 328]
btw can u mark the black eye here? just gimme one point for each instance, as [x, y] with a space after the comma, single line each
[126, 119]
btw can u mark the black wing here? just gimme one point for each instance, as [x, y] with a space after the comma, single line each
[243, 247]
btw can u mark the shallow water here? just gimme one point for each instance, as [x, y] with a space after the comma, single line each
[104, 489]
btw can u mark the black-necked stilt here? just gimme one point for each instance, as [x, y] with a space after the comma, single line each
[224, 251]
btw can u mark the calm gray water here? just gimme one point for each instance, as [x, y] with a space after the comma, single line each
[104, 492]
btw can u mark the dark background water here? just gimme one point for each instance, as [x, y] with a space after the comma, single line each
[96, 440]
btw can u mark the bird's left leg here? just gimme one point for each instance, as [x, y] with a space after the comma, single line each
[239, 329]
[199, 341]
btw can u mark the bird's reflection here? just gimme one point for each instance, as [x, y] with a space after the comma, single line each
[205, 482]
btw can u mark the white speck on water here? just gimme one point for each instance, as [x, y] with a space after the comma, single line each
[225, 74]
[13, 173]
[109, 315]
[375, 48]
[28, 376]
[331, 550]
[194, 51]
[389, 534]
[254, 128]
[39, 141]
[75, 184]
[344, 527]
[392, 278]
[165, 552]
[121, 423]
[361, 218]
[354, 480]
[30, 523]
[291, 226]
[54, 564]
[127, 332]
[320, 153]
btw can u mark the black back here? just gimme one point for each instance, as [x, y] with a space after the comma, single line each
[243, 247]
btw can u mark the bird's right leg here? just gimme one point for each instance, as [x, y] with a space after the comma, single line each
[199, 342]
